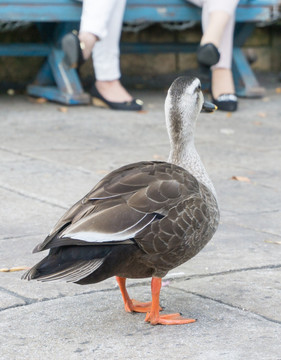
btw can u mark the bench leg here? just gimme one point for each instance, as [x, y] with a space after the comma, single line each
[58, 83]
[246, 84]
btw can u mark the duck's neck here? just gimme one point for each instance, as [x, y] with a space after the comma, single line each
[186, 156]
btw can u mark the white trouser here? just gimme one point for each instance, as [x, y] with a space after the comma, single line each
[104, 19]
[226, 45]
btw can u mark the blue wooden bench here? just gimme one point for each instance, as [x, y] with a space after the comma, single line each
[54, 18]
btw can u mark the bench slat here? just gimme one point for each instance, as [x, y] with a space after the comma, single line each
[136, 10]
[55, 82]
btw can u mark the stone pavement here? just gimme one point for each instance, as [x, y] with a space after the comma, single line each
[50, 156]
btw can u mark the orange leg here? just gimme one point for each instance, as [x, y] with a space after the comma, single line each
[153, 316]
[131, 304]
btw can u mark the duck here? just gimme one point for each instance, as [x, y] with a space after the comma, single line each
[143, 219]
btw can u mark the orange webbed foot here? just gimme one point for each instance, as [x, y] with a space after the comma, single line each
[152, 308]
[167, 319]
[153, 316]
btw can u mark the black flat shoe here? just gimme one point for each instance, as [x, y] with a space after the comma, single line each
[226, 102]
[100, 101]
[72, 48]
[208, 55]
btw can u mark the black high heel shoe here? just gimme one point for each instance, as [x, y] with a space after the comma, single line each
[99, 101]
[208, 55]
[226, 102]
[72, 48]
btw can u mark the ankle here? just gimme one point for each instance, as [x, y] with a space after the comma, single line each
[103, 84]
[222, 82]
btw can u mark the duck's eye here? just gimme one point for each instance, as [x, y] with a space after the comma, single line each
[199, 87]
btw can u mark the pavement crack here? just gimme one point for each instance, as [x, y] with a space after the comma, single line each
[9, 292]
[33, 197]
[26, 236]
[260, 212]
[233, 271]
[46, 160]
[270, 233]
[205, 297]
[30, 301]
[175, 277]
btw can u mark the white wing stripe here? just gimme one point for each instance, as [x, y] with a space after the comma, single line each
[100, 237]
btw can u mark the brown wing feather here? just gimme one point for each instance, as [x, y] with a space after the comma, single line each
[103, 201]
[125, 202]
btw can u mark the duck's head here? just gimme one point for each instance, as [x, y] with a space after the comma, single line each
[183, 104]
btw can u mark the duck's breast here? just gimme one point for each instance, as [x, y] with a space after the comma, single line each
[187, 227]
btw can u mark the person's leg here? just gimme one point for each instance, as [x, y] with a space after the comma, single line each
[100, 30]
[222, 82]
[93, 27]
[218, 20]
[95, 19]
[106, 58]
[214, 25]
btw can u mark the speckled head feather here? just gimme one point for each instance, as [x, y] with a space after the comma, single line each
[182, 84]
[183, 104]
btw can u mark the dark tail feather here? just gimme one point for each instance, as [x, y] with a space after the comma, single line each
[69, 263]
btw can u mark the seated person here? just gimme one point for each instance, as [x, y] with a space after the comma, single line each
[99, 35]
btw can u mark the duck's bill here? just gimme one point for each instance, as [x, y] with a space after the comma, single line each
[208, 107]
